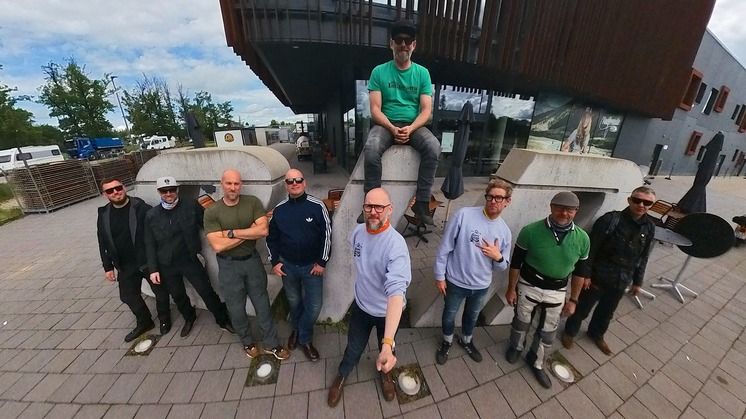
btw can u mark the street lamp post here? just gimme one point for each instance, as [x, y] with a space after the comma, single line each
[116, 93]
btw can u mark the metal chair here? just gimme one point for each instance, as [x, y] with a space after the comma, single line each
[659, 210]
[419, 228]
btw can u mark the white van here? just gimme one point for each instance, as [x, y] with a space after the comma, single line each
[12, 159]
[158, 142]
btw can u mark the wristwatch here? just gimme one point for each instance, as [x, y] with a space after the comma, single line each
[230, 234]
[390, 342]
[572, 300]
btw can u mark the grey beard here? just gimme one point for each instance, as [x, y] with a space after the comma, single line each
[402, 56]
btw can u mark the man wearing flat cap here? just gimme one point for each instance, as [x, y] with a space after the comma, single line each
[546, 255]
[401, 104]
[172, 242]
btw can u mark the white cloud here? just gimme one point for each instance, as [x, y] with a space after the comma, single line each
[726, 23]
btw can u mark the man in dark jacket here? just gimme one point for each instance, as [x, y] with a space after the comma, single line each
[121, 240]
[620, 245]
[172, 242]
[299, 244]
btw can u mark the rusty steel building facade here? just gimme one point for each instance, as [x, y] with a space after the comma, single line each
[630, 57]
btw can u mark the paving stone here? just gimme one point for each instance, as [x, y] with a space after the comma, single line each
[70, 388]
[551, 409]
[220, 410]
[489, 401]
[152, 388]
[361, 401]
[210, 358]
[517, 392]
[212, 386]
[671, 391]
[85, 321]
[292, 406]
[186, 411]
[631, 368]
[11, 409]
[428, 412]
[660, 345]
[724, 399]
[153, 411]
[319, 409]
[731, 384]
[285, 379]
[95, 339]
[484, 371]
[105, 320]
[682, 377]
[646, 360]
[37, 410]
[19, 360]
[236, 385]
[157, 360]
[235, 357]
[580, 359]
[37, 338]
[54, 339]
[63, 411]
[616, 380]
[96, 388]
[691, 365]
[83, 361]
[658, 404]
[22, 386]
[255, 409]
[457, 407]
[633, 409]
[183, 359]
[107, 361]
[574, 400]
[309, 376]
[456, 376]
[602, 395]
[44, 389]
[121, 411]
[123, 388]
[691, 414]
[182, 387]
[706, 407]
[425, 351]
[435, 382]
[543, 393]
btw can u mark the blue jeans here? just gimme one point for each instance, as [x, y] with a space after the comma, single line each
[474, 304]
[305, 293]
[241, 279]
[360, 326]
[422, 140]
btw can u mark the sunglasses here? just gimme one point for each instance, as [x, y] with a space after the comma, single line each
[406, 39]
[292, 180]
[495, 198]
[118, 188]
[637, 201]
[167, 190]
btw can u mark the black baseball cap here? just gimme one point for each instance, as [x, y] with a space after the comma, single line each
[403, 27]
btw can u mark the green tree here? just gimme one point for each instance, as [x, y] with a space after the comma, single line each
[15, 123]
[151, 108]
[78, 102]
[210, 115]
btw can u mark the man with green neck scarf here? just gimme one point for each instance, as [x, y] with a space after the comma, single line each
[547, 253]
[172, 242]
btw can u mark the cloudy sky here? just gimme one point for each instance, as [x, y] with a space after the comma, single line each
[180, 41]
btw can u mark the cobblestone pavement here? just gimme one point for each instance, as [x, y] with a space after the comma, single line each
[62, 352]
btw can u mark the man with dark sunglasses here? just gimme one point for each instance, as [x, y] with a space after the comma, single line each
[299, 244]
[121, 242]
[621, 242]
[172, 243]
[400, 105]
[476, 242]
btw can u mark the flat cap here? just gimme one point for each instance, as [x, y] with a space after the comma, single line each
[566, 199]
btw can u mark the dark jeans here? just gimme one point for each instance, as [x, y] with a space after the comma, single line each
[474, 304]
[305, 293]
[422, 140]
[361, 323]
[172, 277]
[607, 299]
[129, 279]
[241, 279]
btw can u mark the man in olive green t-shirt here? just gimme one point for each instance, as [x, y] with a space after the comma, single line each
[233, 225]
[401, 103]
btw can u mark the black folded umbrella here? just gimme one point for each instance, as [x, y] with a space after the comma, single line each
[695, 200]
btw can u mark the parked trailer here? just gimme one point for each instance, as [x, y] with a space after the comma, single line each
[15, 159]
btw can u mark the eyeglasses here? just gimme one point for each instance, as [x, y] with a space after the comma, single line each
[292, 180]
[167, 190]
[378, 208]
[637, 201]
[118, 188]
[495, 198]
[406, 39]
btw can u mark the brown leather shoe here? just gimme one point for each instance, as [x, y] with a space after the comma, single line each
[387, 385]
[567, 341]
[293, 340]
[310, 352]
[603, 346]
[336, 390]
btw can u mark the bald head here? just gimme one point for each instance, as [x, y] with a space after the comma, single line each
[375, 200]
[230, 174]
[231, 184]
[295, 184]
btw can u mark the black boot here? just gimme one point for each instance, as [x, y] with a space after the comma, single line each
[421, 210]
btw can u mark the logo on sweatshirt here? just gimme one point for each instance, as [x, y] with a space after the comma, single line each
[309, 219]
[475, 236]
[358, 250]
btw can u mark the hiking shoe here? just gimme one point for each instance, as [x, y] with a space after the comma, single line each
[278, 352]
[542, 377]
[252, 351]
[441, 355]
[471, 350]
[421, 210]
[512, 355]
[228, 327]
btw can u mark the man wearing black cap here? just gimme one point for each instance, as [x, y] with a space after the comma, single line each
[547, 252]
[172, 242]
[401, 104]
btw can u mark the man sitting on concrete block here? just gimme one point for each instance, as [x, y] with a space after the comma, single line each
[401, 103]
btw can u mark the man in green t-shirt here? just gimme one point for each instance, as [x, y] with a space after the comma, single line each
[546, 254]
[233, 225]
[401, 104]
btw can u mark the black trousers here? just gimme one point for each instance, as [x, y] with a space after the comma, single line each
[172, 277]
[129, 279]
[607, 299]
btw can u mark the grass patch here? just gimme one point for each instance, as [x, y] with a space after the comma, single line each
[10, 214]
[5, 192]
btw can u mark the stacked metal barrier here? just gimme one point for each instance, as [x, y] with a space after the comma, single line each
[48, 187]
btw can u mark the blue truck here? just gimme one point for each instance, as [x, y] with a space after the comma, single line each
[94, 148]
